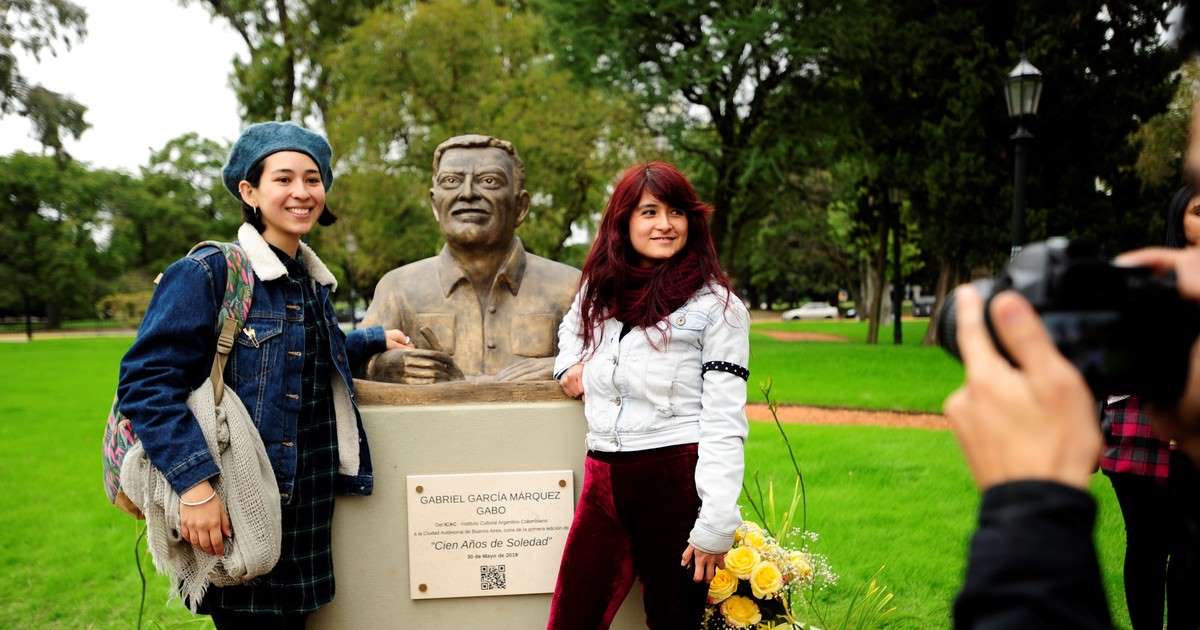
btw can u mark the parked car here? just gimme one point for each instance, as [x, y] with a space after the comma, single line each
[343, 314]
[812, 310]
[923, 306]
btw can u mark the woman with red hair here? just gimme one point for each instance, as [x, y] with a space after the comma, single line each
[657, 346]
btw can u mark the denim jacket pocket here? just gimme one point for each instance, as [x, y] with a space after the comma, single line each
[253, 356]
[663, 368]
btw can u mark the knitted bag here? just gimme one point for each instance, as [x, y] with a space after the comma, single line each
[118, 431]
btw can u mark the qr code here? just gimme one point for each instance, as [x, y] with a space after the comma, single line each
[492, 578]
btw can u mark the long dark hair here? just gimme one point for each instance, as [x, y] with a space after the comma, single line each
[1175, 211]
[613, 283]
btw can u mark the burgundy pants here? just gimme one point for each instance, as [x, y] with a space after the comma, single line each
[633, 519]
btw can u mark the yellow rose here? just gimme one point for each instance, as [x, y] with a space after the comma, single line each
[740, 561]
[721, 587]
[765, 579]
[755, 538]
[743, 529]
[801, 564]
[740, 612]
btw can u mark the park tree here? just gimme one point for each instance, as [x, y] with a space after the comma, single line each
[939, 84]
[709, 77]
[284, 76]
[38, 28]
[1162, 140]
[49, 222]
[408, 78]
[177, 200]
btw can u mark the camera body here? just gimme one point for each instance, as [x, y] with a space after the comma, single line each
[1127, 330]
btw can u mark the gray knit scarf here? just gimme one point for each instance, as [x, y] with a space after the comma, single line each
[246, 485]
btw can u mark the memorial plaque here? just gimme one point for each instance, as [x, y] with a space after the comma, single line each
[483, 534]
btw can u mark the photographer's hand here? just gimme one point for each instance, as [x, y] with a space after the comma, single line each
[1181, 423]
[1036, 421]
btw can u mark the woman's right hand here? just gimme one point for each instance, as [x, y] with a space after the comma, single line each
[205, 526]
[572, 381]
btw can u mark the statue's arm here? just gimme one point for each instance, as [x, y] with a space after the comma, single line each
[384, 313]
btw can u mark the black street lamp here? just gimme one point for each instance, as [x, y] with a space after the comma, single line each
[1023, 91]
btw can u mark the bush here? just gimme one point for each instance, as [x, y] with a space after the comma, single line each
[128, 308]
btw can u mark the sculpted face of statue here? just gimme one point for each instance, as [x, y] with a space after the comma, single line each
[483, 309]
[477, 199]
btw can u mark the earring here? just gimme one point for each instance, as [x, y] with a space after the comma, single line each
[257, 213]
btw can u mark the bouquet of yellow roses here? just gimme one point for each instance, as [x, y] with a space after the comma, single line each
[761, 581]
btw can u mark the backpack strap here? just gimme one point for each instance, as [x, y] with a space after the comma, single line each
[235, 308]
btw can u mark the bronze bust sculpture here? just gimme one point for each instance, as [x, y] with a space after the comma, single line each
[483, 308]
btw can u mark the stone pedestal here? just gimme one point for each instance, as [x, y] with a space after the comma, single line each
[541, 430]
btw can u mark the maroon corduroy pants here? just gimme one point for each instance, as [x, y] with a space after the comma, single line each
[633, 520]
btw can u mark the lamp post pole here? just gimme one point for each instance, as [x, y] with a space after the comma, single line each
[1023, 92]
[1021, 140]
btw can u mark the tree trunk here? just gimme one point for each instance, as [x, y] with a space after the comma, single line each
[28, 316]
[878, 267]
[289, 50]
[862, 303]
[947, 278]
[722, 201]
[54, 316]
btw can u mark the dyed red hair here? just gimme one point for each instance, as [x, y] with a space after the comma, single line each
[614, 284]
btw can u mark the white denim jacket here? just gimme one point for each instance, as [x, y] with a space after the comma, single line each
[689, 390]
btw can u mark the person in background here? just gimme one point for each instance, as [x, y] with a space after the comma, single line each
[1156, 487]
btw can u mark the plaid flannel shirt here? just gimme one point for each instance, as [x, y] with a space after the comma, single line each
[302, 581]
[1130, 445]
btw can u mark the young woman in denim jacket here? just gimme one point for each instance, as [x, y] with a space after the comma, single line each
[657, 346]
[291, 367]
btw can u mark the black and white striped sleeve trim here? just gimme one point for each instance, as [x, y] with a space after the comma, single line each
[722, 366]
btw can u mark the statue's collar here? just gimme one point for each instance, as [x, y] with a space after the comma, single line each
[510, 273]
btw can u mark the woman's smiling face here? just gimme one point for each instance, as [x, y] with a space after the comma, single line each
[290, 196]
[656, 230]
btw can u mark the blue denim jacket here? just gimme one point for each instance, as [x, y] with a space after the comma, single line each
[173, 355]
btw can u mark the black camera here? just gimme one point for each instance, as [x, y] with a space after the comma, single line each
[1127, 330]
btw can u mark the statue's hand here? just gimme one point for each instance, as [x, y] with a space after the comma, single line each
[535, 369]
[413, 367]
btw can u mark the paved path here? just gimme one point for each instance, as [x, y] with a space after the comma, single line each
[66, 334]
[796, 414]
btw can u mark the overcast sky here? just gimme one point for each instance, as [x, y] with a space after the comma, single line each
[148, 71]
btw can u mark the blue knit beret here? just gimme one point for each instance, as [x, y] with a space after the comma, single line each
[262, 139]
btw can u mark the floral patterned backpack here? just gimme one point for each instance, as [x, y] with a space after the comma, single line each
[118, 431]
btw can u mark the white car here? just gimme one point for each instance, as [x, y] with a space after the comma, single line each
[812, 310]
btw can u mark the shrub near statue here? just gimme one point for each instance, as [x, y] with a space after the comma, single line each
[483, 309]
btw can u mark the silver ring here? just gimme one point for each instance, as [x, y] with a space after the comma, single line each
[407, 340]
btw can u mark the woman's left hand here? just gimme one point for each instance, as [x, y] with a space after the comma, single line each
[706, 563]
[397, 340]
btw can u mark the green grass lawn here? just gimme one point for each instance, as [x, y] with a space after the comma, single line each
[895, 497]
[67, 557]
[902, 499]
[853, 374]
